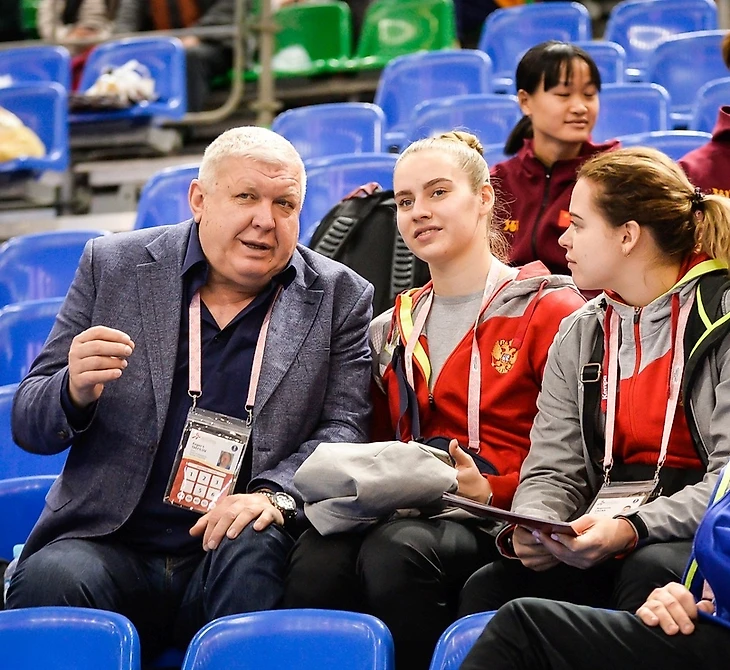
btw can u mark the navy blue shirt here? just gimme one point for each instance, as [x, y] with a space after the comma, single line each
[227, 358]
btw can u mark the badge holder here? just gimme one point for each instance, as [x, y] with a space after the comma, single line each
[620, 498]
[208, 460]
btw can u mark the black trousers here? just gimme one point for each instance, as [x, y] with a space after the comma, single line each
[617, 583]
[406, 572]
[544, 634]
[204, 63]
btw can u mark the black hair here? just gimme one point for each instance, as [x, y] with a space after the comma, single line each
[547, 64]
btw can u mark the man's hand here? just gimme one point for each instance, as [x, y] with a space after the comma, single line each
[673, 608]
[190, 41]
[97, 356]
[530, 550]
[232, 514]
[598, 538]
[471, 482]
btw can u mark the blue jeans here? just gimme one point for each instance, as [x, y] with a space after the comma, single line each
[167, 598]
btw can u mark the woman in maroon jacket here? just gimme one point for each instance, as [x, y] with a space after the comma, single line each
[557, 86]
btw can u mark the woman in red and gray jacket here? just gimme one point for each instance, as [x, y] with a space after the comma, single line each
[557, 86]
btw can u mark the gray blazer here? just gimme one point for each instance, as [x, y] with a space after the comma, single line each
[314, 383]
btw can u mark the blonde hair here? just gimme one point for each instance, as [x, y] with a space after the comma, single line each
[468, 154]
[644, 185]
[255, 143]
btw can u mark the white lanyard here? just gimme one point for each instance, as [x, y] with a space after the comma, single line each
[675, 385]
[475, 367]
[195, 384]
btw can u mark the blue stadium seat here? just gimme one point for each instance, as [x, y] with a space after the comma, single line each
[609, 57]
[21, 503]
[457, 640]
[41, 265]
[68, 638]
[489, 116]
[40, 63]
[494, 153]
[640, 25]
[683, 64]
[164, 198]
[24, 328]
[713, 95]
[43, 107]
[674, 143]
[409, 80]
[627, 109]
[509, 32]
[14, 461]
[335, 128]
[287, 639]
[331, 179]
[165, 59]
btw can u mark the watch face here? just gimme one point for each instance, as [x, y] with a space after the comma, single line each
[285, 501]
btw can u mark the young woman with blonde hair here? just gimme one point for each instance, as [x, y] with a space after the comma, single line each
[462, 359]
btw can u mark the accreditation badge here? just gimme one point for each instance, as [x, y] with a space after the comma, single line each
[208, 460]
[621, 498]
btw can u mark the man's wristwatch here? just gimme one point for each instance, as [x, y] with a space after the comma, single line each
[283, 502]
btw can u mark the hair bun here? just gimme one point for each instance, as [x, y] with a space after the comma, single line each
[472, 141]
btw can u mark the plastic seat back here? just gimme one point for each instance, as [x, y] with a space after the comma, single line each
[491, 117]
[335, 128]
[43, 107]
[14, 461]
[331, 179]
[286, 639]
[713, 95]
[41, 265]
[164, 57]
[640, 25]
[32, 64]
[457, 640]
[494, 153]
[609, 57]
[392, 29]
[674, 143]
[509, 32]
[682, 65]
[627, 109]
[24, 328]
[164, 198]
[21, 503]
[68, 638]
[409, 80]
[323, 29]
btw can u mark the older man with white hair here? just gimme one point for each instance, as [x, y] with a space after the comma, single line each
[189, 362]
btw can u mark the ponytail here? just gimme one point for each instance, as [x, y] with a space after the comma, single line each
[521, 132]
[712, 230]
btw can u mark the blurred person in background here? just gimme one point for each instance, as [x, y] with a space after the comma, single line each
[709, 166]
[557, 87]
[206, 58]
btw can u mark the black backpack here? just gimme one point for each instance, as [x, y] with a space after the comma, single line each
[361, 233]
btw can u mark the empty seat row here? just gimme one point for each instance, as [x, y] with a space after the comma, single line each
[637, 26]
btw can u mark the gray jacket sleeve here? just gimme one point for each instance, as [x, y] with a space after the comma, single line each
[39, 423]
[554, 481]
[345, 415]
[677, 516]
